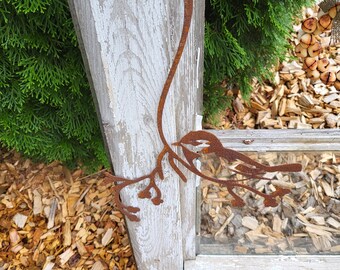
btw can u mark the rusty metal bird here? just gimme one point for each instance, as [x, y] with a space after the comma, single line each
[248, 167]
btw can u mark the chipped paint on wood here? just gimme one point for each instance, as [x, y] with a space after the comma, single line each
[128, 49]
[269, 262]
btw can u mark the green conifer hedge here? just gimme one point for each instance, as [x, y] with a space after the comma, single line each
[46, 108]
[244, 39]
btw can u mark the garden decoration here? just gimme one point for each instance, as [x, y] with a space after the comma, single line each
[248, 168]
[315, 63]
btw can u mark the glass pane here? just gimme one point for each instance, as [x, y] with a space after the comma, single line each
[305, 221]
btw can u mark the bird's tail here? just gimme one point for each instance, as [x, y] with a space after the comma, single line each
[260, 169]
[292, 167]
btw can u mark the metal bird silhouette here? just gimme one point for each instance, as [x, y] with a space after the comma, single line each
[248, 168]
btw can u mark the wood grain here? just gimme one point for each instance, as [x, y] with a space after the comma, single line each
[128, 47]
[280, 140]
[209, 262]
[190, 80]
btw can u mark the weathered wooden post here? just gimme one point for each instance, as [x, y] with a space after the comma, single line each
[128, 47]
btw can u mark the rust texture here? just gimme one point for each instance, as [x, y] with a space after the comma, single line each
[249, 168]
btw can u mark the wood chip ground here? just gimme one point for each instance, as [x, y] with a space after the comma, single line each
[307, 221]
[293, 100]
[52, 218]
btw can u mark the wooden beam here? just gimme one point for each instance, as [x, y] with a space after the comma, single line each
[280, 140]
[128, 47]
[190, 79]
[268, 262]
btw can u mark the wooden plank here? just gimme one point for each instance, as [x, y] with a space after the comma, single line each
[269, 262]
[280, 140]
[128, 48]
[191, 67]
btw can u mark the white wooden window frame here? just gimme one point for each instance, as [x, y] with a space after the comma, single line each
[128, 47]
[290, 140]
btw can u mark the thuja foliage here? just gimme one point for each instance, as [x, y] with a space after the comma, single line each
[244, 39]
[46, 108]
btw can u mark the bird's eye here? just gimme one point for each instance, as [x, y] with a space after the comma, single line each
[195, 143]
[203, 143]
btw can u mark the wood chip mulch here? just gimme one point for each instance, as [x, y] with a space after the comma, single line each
[52, 218]
[295, 99]
[306, 221]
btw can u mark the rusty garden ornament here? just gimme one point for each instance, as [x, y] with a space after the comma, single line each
[248, 168]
